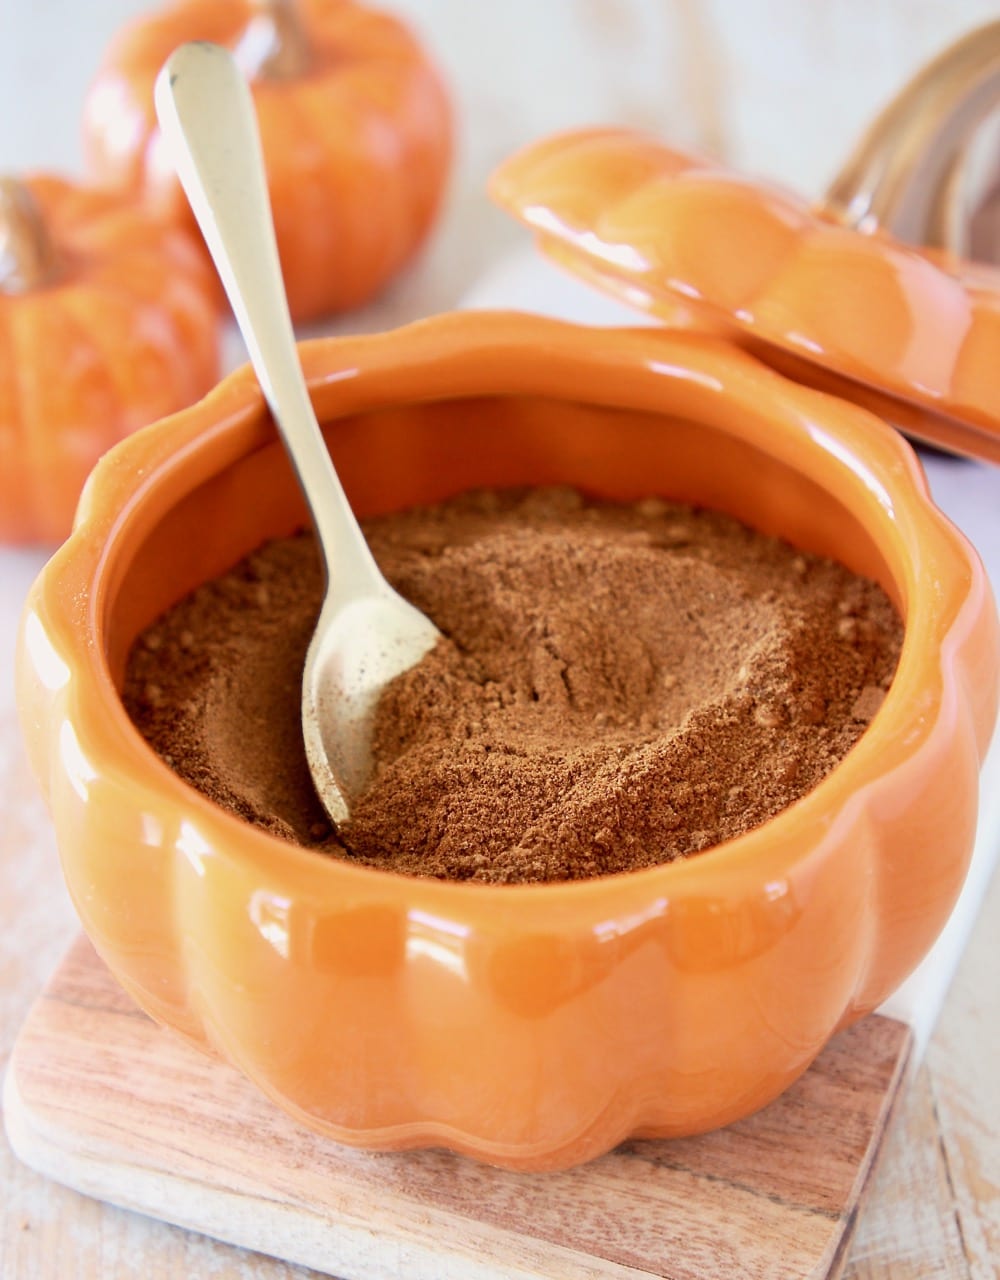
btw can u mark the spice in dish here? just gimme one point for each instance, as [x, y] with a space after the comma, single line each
[618, 685]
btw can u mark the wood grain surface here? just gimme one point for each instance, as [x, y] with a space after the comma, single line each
[102, 1099]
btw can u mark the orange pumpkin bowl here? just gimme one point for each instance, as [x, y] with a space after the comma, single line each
[530, 1026]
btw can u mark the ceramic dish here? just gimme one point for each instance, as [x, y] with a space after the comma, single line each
[532, 1026]
[910, 333]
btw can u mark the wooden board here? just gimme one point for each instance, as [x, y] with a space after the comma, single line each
[100, 1098]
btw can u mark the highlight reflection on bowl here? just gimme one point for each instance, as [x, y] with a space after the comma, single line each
[532, 1026]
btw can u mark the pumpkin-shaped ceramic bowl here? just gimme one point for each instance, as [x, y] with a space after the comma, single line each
[531, 1026]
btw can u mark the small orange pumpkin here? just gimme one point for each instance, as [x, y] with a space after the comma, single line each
[354, 122]
[108, 320]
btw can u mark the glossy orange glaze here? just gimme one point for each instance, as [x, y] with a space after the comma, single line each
[911, 334]
[125, 332]
[531, 1026]
[357, 145]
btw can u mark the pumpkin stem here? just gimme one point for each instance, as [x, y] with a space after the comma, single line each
[274, 45]
[27, 255]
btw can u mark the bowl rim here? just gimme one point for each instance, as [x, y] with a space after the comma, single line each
[459, 354]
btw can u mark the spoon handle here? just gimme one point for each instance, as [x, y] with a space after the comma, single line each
[207, 118]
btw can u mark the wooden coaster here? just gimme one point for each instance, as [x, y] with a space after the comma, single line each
[100, 1098]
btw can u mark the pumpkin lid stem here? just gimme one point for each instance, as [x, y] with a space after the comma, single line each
[274, 44]
[28, 259]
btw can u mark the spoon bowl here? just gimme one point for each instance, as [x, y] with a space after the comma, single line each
[358, 648]
[367, 634]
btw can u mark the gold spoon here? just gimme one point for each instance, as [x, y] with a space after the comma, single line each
[367, 634]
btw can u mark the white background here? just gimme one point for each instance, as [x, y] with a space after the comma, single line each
[779, 87]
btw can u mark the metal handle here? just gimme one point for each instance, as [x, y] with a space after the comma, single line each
[906, 173]
[207, 117]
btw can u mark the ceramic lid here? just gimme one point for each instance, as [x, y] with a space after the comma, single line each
[912, 333]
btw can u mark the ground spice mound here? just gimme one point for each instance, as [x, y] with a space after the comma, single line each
[618, 686]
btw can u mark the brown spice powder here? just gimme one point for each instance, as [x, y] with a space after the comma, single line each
[619, 685]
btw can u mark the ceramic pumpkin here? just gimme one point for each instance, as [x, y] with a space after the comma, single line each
[108, 320]
[354, 122]
[533, 1026]
[909, 332]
